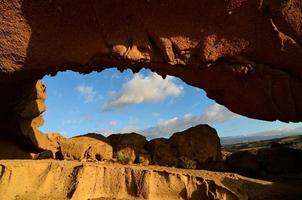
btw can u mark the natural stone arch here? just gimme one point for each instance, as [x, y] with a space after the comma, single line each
[247, 55]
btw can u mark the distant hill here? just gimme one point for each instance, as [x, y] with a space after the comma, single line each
[294, 142]
[265, 135]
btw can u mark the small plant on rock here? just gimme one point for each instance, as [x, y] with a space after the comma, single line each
[123, 159]
[187, 163]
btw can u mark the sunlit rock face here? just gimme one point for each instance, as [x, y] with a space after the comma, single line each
[88, 147]
[51, 179]
[245, 54]
[127, 145]
[200, 144]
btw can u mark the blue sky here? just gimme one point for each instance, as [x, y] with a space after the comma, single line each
[114, 102]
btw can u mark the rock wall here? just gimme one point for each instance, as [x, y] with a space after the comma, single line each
[246, 54]
[21, 116]
[75, 180]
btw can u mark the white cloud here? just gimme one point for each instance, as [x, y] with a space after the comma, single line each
[165, 128]
[77, 121]
[132, 125]
[105, 132]
[139, 89]
[129, 129]
[155, 114]
[284, 131]
[292, 129]
[113, 123]
[115, 76]
[215, 114]
[133, 121]
[218, 114]
[87, 92]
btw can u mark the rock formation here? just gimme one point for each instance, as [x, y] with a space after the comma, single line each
[86, 147]
[246, 54]
[77, 180]
[129, 145]
[160, 152]
[280, 160]
[263, 162]
[189, 144]
[243, 162]
[22, 120]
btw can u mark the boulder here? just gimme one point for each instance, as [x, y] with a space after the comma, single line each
[161, 153]
[275, 160]
[44, 155]
[243, 162]
[280, 160]
[86, 147]
[127, 145]
[199, 144]
[144, 158]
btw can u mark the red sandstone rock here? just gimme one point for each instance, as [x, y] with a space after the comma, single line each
[246, 54]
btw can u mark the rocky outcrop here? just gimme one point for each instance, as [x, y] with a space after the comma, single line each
[200, 144]
[161, 153]
[264, 162]
[91, 147]
[129, 145]
[23, 117]
[29, 117]
[246, 54]
[75, 180]
[243, 162]
[280, 160]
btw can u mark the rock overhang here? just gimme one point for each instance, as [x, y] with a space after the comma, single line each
[245, 54]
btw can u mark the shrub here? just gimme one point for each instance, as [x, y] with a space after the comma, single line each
[123, 159]
[187, 163]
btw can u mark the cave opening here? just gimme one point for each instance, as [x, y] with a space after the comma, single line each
[111, 102]
[114, 102]
[246, 55]
[142, 117]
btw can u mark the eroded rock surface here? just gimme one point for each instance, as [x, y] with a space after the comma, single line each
[128, 145]
[200, 144]
[246, 54]
[74, 180]
[260, 160]
[280, 160]
[22, 117]
[86, 147]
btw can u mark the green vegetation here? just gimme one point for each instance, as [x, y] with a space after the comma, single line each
[294, 142]
[123, 159]
[187, 163]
